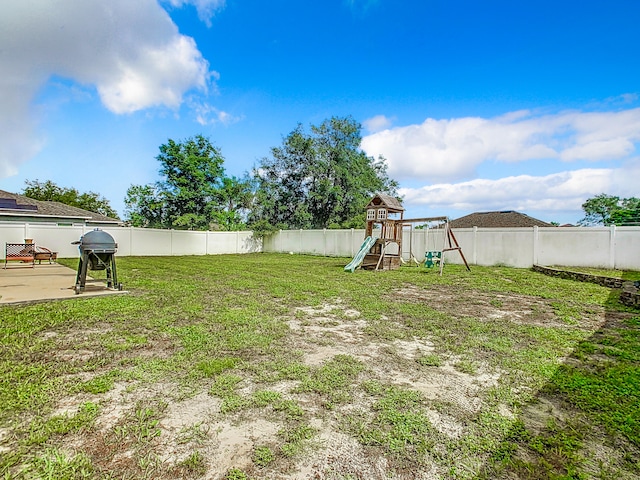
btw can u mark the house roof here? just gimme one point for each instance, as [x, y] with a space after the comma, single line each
[382, 199]
[503, 219]
[14, 205]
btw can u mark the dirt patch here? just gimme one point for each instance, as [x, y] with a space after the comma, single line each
[153, 425]
[519, 309]
[321, 333]
[233, 445]
[4, 435]
[342, 457]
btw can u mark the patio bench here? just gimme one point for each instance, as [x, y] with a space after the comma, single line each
[43, 253]
[20, 252]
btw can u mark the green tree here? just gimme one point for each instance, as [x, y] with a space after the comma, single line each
[144, 206]
[49, 191]
[320, 179]
[628, 213]
[193, 171]
[235, 198]
[608, 210]
[194, 193]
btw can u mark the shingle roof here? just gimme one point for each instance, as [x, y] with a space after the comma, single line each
[29, 206]
[388, 200]
[503, 219]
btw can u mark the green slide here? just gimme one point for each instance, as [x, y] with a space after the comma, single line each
[357, 260]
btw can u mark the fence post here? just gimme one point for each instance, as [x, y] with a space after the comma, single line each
[535, 244]
[612, 247]
[475, 245]
[353, 233]
[324, 242]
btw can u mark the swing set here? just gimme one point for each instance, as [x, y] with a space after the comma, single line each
[439, 238]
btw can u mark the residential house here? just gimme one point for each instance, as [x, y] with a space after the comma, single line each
[502, 219]
[18, 208]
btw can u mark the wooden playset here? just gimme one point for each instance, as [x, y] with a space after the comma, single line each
[385, 215]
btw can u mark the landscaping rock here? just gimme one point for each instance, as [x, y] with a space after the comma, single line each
[630, 295]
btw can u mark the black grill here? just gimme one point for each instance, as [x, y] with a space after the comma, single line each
[97, 252]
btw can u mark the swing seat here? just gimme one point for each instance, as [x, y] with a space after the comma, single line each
[432, 258]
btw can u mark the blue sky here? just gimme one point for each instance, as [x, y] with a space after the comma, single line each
[477, 106]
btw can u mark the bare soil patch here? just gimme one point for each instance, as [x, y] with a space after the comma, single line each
[519, 309]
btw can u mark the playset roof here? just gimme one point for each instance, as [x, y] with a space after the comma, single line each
[383, 200]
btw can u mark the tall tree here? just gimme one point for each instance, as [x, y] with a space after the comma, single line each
[49, 191]
[193, 171]
[608, 210]
[235, 198]
[194, 192]
[144, 206]
[320, 179]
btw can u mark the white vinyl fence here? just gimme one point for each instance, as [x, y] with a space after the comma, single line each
[607, 247]
[132, 241]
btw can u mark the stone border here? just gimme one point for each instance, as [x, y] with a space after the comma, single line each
[608, 282]
[629, 296]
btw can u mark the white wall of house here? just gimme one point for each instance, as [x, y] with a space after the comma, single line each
[606, 247]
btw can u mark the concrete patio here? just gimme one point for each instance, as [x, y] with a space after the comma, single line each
[21, 283]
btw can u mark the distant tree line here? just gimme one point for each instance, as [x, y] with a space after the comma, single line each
[50, 192]
[316, 179]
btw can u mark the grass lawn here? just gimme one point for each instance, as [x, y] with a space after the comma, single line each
[268, 366]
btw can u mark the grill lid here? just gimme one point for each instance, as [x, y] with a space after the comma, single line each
[98, 241]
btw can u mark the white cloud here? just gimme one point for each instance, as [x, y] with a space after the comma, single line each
[206, 8]
[207, 114]
[131, 51]
[377, 123]
[449, 150]
[564, 191]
